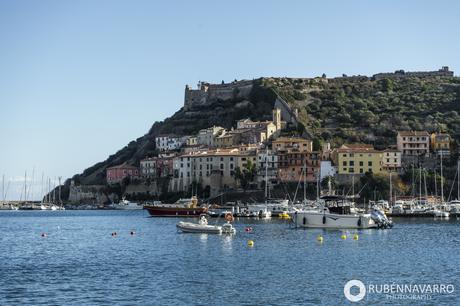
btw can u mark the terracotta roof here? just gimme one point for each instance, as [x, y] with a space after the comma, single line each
[290, 139]
[358, 148]
[413, 133]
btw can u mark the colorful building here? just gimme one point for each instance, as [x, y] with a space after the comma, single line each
[118, 173]
[161, 166]
[440, 143]
[293, 166]
[413, 143]
[292, 144]
[358, 159]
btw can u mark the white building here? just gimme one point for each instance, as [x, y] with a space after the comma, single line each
[413, 143]
[326, 169]
[169, 143]
[207, 136]
[267, 164]
[391, 160]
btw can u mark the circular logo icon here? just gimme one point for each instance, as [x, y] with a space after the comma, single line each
[354, 297]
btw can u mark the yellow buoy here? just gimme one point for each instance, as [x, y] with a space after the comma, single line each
[343, 236]
[250, 243]
[356, 237]
[320, 238]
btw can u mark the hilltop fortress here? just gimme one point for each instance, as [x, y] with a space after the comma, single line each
[207, 92]
[443, 72]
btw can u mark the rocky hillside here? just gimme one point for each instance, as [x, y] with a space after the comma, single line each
[338, 110]
[361, 109]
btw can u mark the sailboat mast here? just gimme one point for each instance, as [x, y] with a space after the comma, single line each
[42, 189]
[458, 180]
[436, 185]
[426, 190]
[25, 186]
[391, 188]
[60, 201]
[420, 185]
[3, 188]
[442, 187]
[317, 185]
[266, 175]
[353, 186]
[305, 178]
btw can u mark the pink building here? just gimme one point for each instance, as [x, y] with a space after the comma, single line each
[117, 173]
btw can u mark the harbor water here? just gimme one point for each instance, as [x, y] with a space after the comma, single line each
[73, 258]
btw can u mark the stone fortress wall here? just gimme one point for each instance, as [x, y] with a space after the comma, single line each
[207, 92]
[443, 72]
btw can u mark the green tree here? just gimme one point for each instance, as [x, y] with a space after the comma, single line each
[246, 175]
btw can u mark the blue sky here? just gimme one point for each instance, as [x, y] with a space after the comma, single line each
[81, 79]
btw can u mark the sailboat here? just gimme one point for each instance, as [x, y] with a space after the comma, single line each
[455, 204]
[439, 212]
[271, 206]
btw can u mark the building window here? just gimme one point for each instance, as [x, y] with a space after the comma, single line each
[369, 163]
[361, 170]
[344, 163]
[361, 163]
[352, 163]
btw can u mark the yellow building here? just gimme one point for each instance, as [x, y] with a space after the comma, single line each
[358, 159]
[440, 143]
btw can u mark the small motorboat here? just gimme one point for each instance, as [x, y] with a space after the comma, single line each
[437, 213]
[204, 228]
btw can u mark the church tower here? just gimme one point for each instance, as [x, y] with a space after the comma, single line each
[277, 118]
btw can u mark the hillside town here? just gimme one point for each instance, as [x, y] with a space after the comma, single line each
[217, 159]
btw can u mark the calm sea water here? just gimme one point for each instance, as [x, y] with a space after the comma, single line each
[80, 263]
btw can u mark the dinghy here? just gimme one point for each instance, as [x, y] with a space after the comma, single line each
[203, 227]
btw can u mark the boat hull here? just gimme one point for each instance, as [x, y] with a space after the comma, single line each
[158, 211]
[188, 227]
[333, 221]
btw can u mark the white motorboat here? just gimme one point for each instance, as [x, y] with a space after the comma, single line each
[336, 214]
[203, 227]
[126, 205]
[277, 206]
[454, 207]
[437, 213]
[259, 211]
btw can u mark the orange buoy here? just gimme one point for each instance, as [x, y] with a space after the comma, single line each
[229, 217]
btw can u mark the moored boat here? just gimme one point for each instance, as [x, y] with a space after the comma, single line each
[126, 205]
[182, 208]
[204, 228]
[335, 214]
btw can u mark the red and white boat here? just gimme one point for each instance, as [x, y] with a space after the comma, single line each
[182, 208]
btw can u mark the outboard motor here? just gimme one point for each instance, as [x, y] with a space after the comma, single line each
[381, 219]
